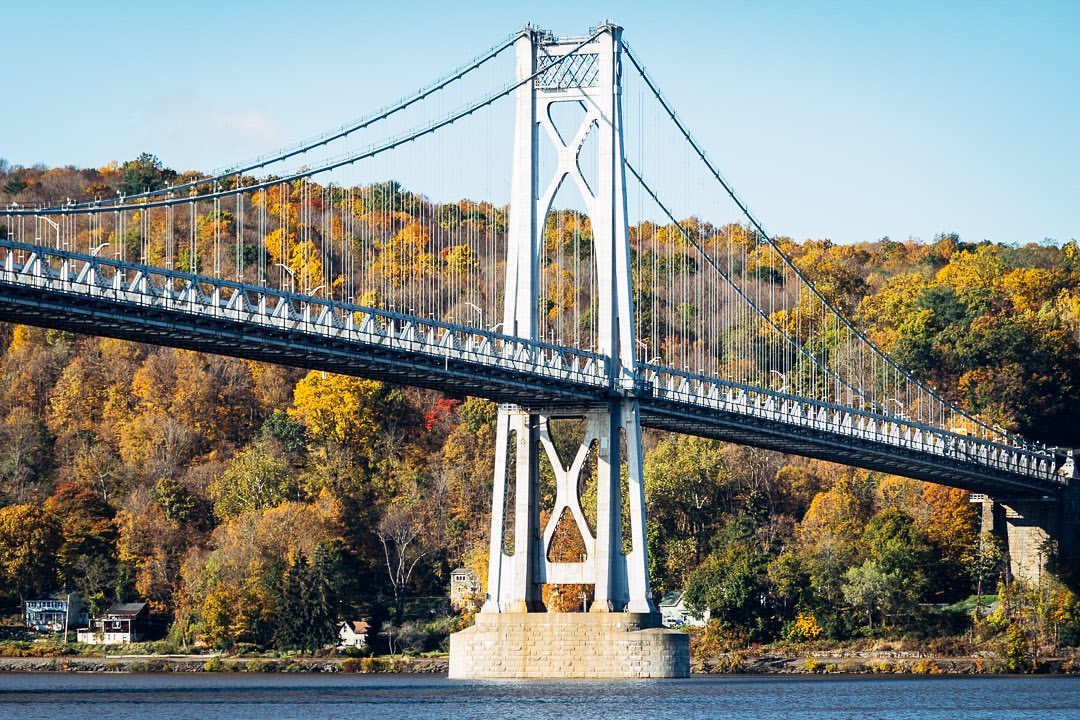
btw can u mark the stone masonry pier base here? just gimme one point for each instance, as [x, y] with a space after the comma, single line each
[568, 645]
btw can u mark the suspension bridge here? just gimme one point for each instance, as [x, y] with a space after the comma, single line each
[605, 270]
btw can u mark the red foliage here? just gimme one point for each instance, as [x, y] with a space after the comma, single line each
[444, 409]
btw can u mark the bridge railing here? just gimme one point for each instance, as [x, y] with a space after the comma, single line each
[727, 396]
[171, 290]
[135, 285]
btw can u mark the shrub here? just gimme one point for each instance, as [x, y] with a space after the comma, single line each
[214, 664]
[259, 666]
[1015, 651]
[805, 628]
[926, 667]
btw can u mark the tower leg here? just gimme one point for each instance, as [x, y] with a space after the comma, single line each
[510, 577]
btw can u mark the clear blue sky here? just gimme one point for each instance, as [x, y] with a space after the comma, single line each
[846, 120]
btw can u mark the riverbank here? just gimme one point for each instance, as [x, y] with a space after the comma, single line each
[216, 663]
[892, 663]
[865, 663]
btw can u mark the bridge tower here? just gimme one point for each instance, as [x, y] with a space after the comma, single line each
[620, 636]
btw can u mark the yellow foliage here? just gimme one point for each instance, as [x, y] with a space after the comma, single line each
[981, 268]
[458, 259]
[405, 257]
[24, 337]
[833, 515]
[306, 266]
[1031, 288]
[337, 408]
[804, 629]
[280, 245]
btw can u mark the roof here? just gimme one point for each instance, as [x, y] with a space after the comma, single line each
[54, 596]
[671, 599]
[126, 609]
[358, 626]
[462, 570]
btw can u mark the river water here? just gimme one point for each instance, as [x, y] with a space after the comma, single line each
[313, 697]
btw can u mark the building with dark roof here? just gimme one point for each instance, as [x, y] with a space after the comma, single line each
[122, 623]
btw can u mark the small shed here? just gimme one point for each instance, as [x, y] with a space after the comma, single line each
[120, 624]
[353, 633]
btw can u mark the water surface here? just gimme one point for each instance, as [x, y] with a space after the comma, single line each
[392, 697]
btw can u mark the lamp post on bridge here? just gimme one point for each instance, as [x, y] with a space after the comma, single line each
[783, 380]
[292, 277]
[56, 227]
[479, 310]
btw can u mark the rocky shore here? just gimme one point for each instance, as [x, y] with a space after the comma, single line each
[860, 663]
[896, 663]
[203, 663]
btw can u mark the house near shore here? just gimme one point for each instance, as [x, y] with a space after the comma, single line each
[353, 633]
[674, 613]
[55, 612]
[465, 590]
[120, 624]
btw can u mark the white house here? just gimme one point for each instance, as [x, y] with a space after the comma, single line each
[59, 611]
[464, 588]
[673, 612]
[352, 633]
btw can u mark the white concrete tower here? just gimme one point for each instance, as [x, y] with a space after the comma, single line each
[590, 79]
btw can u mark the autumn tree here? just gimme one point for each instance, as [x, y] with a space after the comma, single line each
[86, 557]
[401, 534]
[29, 541]
[254, 480]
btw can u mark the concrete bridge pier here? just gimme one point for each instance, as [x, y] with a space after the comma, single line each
[1038, 534]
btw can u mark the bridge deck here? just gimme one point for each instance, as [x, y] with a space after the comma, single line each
[96, 296]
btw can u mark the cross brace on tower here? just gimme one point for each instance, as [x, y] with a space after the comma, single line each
[619, 637]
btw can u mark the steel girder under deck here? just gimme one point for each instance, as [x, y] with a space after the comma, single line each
[140, 323]
[96, 296]
[847, 450]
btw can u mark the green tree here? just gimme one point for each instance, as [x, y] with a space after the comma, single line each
[870, 589]
[144, 173]
[176, 501]
[305, 617]
[687, 484]
[253, 480]
[732, 583]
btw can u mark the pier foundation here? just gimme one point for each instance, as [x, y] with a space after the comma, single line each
[569, 645]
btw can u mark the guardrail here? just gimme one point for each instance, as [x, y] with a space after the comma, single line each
[143, 286]
[717, 394]
[83, 275]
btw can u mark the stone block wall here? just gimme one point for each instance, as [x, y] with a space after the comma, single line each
[568, 645]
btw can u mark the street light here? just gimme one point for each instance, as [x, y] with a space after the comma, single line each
[478, 309]
[643, 344]
[292, 276]
[56, 227]
[783, 380]
[899, 405]
[99, 248]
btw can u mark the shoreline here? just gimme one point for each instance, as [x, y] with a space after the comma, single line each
[728, 664]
